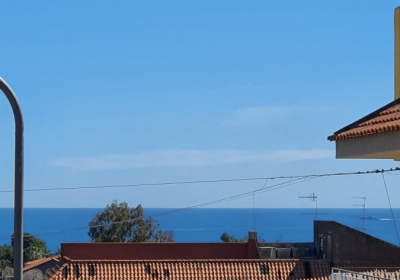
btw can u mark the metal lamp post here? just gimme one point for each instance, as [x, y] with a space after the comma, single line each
[18, 179]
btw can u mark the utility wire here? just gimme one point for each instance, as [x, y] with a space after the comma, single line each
[263, 189]
[211, 181]
[254, 215]
[391, 210]
[296, 180]
[271, 188]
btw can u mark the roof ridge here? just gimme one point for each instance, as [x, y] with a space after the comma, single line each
[382, 119]
[391, 110]
[35, 263]
[192, 260]
[57, 269]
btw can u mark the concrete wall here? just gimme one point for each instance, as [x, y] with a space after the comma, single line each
[157, 251]
[271, 250]
[309, 245]
[268, 250]
[340, 243]
[381, 146]
[37, 272]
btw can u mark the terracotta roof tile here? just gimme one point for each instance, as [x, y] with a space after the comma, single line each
[38, 262]
[188, 269]
[383, 120]
[385, 270]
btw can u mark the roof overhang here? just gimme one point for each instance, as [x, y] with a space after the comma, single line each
[381, 146]
[375, 136]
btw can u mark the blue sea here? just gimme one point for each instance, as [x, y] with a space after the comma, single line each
[57, 225]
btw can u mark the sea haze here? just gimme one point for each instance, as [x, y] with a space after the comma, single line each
[55, 225]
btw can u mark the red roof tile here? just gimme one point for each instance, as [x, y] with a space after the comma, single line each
[188, 269]
[384, 120]
[384, 270]
[38, 262]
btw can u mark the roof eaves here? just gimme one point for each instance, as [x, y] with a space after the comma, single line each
[35, 263]
[364, 119]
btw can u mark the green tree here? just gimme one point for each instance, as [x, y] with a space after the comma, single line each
[164, 236]
[228, 238]
[120, 223]
[6, 253]
[4, 265]
[6, 258]
[34, 248]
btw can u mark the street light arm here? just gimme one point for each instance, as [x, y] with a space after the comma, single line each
[16, 108]
[18, 179]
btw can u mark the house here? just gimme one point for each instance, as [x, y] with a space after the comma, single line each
[35, 270]
[377, 135]
[335, 246]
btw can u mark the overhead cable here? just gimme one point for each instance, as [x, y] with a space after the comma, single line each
[391, 210]
[270, 188]
[296, 180]
[209, 181]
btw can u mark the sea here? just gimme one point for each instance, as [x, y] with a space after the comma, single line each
[56, 225]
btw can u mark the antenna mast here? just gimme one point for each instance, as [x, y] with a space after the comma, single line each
[314, 198]
[362, 205]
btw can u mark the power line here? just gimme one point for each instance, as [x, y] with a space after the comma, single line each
[296, 180]
[210, 181]
[391, 210]
[261, 190]
[254, 215]
[271, 188]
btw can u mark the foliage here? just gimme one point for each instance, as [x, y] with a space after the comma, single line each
[34, 248]
[5, 269]
[5, 259]
[120, 223]
[6, 253]
[230, 238]
[163, 236]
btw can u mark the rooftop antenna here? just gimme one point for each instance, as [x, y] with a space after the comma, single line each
[363, 206]
[313, 197]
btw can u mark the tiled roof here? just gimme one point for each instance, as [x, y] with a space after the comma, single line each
[38, 262]
[384, 270]
[190, 269]
[385, 119]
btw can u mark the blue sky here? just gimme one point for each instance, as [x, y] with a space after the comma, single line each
[143, 92]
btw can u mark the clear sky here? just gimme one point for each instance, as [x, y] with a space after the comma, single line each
[125, 92]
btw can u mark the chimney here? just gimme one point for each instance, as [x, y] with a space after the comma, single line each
[252, 246]
[397, 53]
[253, 235]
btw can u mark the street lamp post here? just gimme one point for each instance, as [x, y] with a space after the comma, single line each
[18, 179]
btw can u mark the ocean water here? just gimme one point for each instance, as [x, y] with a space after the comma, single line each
[57, 226]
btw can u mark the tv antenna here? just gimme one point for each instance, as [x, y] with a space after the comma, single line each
[363, 206]
[313, 197]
